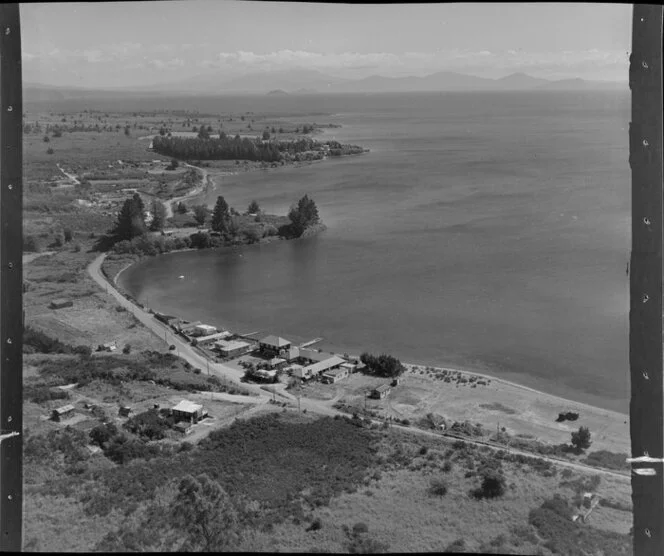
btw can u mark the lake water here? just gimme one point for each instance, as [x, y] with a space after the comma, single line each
[489, 231]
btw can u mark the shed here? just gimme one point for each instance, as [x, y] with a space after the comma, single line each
[64, 412]
[124, 411]
[381, 392]
[335, 375]
[189, 411]
[61, 303]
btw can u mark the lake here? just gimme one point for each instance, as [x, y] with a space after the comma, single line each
[488, 231]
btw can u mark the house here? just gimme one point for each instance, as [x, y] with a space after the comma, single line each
[187, 327]
[124, 411]
[350, 366]
[381, 392]
[273, 345]
[335, 375]
[213, 337]
[291, 354]
[323, 366]
[204, 330]
[232, 348]
[277, 363]
[62, 413]
[109, 346]
[308, 356]
[188, 411]
[61, 303]
[299, 371]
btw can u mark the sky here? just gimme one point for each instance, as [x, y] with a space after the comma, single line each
[133, 44]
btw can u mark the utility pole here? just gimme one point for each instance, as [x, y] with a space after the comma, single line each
[645, 273]
[11, 281]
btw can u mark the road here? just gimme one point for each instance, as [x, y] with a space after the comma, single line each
[205, 183]
[70, 176]
[261, 395]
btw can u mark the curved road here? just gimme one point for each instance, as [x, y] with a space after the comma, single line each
[261, 396]
[205, 183]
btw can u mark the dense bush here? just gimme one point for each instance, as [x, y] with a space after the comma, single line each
[41, 394]
[553, 522]
[264, 458]
[607, 460]
[103, 433]
[383, 365]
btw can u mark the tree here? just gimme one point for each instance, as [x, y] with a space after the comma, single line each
[581, 439]
[303, 215]
[103, 433]
[493, 484]
[127, 131]
[200, 214]
[130, 222]
[173, 165]
[68, 235]
[204, 510]
[203, 133]
[158, 216]
[253, 208]
[383, 365]
[266, 135]
[220, 215]
[181, 208]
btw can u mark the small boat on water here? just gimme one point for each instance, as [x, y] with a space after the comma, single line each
[181, 277]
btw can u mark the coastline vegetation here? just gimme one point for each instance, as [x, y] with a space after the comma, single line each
[243, 148]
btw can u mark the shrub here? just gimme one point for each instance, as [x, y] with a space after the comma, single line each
[447, 466]
[458, 545]
[49, 151]
[126, 349]
[581, 439]
[438, 487]
[493, 484]
[30, 244]
[316, 525]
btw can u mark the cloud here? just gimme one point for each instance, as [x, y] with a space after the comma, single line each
[164, 58]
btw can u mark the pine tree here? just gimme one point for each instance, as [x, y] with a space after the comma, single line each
[130, 223]
[158, 216]
[220, 215]
[303, 215]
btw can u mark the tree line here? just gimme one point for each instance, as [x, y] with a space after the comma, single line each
[222, 148]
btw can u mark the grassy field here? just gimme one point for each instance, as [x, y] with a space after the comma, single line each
[311, 482]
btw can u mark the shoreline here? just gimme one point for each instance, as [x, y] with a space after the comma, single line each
[565, 403]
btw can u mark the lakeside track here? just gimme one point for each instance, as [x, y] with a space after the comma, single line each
[261, 396]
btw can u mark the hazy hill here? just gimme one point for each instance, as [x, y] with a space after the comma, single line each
[303, 81]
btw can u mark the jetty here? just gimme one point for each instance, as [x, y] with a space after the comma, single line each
[310, 342]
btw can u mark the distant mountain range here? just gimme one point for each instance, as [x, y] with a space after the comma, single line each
[302, 81]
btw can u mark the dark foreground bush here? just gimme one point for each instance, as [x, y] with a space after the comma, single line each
[553, 522]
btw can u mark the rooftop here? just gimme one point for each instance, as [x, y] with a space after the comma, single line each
[382, 388]
[325, 365]
[275, 341]
[188, 407]
[231, 344]
[64, 408]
